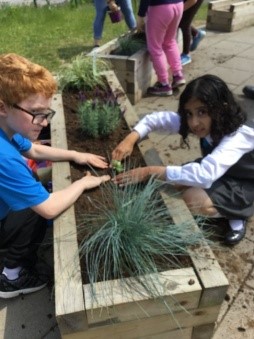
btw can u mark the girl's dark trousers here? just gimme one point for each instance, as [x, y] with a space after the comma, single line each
[21, 233]
[185, 25]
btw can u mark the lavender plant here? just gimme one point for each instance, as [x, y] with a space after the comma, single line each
[98, 118]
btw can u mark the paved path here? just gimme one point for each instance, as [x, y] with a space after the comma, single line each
[230, 56]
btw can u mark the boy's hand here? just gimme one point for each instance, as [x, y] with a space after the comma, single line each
[92, 181]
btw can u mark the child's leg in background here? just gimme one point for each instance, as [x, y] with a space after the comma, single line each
[101, 10]
[161, 27]
[170, 45]
[127, 10]
[185, 25]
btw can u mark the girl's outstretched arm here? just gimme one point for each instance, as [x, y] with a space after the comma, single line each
[140, 174]
[125, 147]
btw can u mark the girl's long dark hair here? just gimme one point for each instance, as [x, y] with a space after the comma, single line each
[226, 114]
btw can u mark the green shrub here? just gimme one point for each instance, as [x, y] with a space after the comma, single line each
[84, 72]
[99, 118]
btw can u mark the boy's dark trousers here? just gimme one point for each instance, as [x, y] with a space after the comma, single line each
[21, 233]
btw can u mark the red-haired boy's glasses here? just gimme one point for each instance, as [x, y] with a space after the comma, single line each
[38, 117]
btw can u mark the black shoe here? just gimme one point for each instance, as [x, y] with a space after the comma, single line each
[28, 281]
[234, 237]
[249, 92]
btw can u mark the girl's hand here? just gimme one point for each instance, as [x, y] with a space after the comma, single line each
[140, 24]
[112, 6]
[125, 148]
[133, 176]
[122, 150]
[91, 159]
[92, 181]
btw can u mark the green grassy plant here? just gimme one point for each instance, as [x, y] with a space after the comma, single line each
[83, 72]
[131, 234]
[54, 35]
[130, 44]
[98, 118]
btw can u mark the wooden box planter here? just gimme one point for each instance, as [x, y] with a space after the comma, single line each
[199, 289]
[230, 15]
[135, 73]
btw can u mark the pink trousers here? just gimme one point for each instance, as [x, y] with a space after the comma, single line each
[161, 30]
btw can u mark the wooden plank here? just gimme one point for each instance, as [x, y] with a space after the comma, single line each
[118, 63]
[221, 4]
[183, 333]
[108, 47]
[177, 290]
[203, 331]
[244, 14]
[210, 273]
[243, 6]
[140, 328]
[70, 308]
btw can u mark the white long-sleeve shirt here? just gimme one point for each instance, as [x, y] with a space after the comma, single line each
[213, 166]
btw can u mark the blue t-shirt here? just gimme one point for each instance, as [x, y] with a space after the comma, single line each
[18, 188]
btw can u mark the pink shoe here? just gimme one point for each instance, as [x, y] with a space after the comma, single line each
[160, 90]
[178, 80]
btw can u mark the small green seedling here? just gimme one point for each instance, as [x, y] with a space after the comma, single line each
[117, 166]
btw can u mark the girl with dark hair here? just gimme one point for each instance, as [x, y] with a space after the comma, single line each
[221, 183]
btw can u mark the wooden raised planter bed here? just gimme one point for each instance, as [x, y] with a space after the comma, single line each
[200, 289]
[135, 73]
[230, 15]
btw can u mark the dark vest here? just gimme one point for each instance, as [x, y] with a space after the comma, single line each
[243, 169]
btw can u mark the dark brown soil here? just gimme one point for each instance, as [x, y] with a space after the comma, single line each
[103, 146]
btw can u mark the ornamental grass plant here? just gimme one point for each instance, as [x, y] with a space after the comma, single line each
[131, 234]
[130, 44]
[83, 72]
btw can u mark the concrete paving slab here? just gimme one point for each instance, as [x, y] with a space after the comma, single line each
[249, 53]
[237, 322]
[235, 78]
[29, 317]
[230, 47]
[238, 63]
